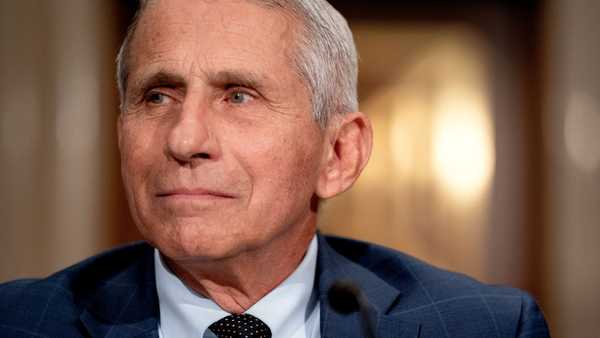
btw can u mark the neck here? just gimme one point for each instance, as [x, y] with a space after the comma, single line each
[236, 283]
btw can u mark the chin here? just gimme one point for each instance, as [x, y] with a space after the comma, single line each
[187, 240]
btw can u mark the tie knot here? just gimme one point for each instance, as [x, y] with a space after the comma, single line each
[240, 326]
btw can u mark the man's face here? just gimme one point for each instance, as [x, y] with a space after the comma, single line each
[219, 150]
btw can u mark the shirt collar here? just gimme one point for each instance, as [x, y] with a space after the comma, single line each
[285, 309]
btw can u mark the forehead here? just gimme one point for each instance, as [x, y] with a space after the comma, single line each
[203, 34]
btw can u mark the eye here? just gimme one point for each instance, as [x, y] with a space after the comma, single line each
[239, 97]
[157, 98]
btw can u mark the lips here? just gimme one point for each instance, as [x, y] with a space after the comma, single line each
[196, 193]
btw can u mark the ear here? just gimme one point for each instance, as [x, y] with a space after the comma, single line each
[350, 139]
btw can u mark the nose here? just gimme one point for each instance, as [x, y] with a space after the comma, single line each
[190, 139]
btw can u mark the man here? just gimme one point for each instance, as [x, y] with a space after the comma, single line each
[238, 118]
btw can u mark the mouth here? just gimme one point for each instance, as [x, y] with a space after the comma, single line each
[193, 194]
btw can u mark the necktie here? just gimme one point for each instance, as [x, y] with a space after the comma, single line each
[240, 326]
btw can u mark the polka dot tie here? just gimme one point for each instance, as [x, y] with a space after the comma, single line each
[240, 326]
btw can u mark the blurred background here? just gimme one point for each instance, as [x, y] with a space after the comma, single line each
[487, 141]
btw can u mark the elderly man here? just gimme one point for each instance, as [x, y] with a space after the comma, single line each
[238, 118]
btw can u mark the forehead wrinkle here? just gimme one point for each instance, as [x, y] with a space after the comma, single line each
[201, 65]
[287, 27]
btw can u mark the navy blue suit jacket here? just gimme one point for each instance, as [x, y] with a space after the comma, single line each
[114, 295]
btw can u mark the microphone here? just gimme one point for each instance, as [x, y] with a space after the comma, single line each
[346, 298]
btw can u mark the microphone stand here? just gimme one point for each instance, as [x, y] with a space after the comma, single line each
[346, 298]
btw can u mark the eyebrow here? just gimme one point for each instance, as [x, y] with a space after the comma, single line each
[219, 79]
[236, 77]
[161, 78]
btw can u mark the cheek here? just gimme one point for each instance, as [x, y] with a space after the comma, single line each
[139, 141]
[288, 165]
[138, 151]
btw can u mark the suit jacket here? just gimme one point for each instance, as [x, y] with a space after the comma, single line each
[114, 295]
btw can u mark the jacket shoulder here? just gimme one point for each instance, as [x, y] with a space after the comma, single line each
[28, 304]
[455, 304]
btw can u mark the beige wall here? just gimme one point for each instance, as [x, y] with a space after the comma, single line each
[56, 110]
[572, 155]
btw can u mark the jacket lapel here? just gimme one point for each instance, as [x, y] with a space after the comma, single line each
[126, 305]
[331, 267]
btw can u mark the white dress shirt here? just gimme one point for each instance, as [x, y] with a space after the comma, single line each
[291, 310]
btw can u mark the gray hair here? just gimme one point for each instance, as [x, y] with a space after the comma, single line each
[325, 56]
